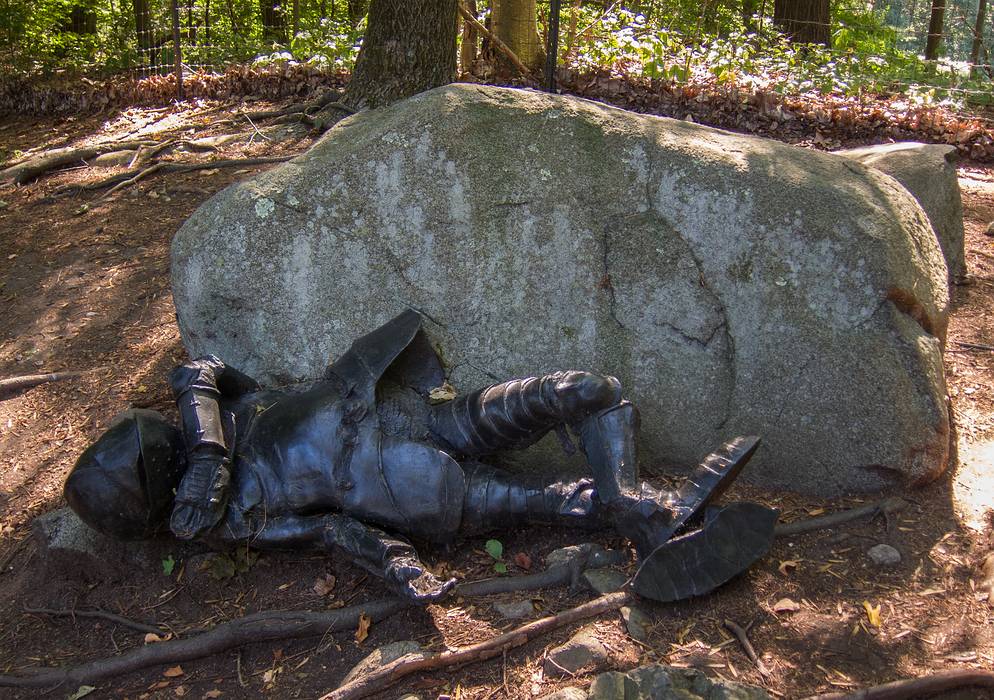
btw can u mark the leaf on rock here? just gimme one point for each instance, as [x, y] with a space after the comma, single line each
[441, 394]
[362, 631]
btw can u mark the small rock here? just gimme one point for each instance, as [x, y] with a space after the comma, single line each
[661, 682]
[564, 555]
[990, 229]
[384, 655]
[70, 549]
[567, 693]
[614, 686]
[637, 623]
[516, 609]
[584, 651]
[605, 580]
[884, 555]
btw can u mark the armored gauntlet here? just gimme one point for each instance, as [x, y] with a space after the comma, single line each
[203, 493]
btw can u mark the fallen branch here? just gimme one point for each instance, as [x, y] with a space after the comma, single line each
[132, 176]
[501, 46]
[99, 614]
[750, 652]
[15, 385]
[886, 507]
[37, 166]
[974, 346]
[387, 675]
[141, 175]
[260, 627]
[911, 688]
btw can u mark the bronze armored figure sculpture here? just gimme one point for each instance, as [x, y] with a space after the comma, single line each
[361, 461]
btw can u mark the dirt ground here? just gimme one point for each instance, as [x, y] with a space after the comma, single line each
[84, 285]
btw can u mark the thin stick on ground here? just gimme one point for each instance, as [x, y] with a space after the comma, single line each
[389, 674]
[15, 385]
[911, 688]
[260, 627]
[99, 614]
[750, 652]
[886, 507]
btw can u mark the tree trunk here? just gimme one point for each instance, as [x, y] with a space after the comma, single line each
[409, 47]
[804, 21]
[273, 23]
[296, 19]
[934, 40]
[82, 20]
[467, 49]
[514, 23]
[978, 35]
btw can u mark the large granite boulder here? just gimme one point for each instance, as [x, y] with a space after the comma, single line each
[928, 171]
[734, 284]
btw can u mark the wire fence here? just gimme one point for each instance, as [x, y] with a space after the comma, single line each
[869, 40]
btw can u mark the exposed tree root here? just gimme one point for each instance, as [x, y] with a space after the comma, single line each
[750, 652]
[38, 165]
[260, 627]
[99, 614]
[387, 675]
[886, 507]
[911, 688]
[14, 385]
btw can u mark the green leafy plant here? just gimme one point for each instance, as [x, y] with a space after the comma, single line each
[496, 550]
[168, 564]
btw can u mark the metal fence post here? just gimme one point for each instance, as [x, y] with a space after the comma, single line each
[552, 46]
[177, 51]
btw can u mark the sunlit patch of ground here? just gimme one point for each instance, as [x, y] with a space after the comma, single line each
[973, 484]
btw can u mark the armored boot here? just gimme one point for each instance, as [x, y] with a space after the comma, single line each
[516, 414]
[645, 515]
[495, 498]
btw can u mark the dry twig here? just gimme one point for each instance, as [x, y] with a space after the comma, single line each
[389, 674]
[886, 507]
[501, 46]
[100, 614]
[750, 652]
[14, 385]
[911, 688]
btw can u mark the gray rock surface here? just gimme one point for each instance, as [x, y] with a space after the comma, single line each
[568, 693]
[884, 555]
[70, 549]
[384, 655]
[515, 609]
[928, 171]
[604, 580]
[637, 622]
[583, 652]
[660, 682]
[735, 285]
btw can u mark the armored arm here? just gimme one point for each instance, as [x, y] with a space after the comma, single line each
[203, 492]
[392, 558]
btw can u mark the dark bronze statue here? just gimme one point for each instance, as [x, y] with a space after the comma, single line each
[361, 460]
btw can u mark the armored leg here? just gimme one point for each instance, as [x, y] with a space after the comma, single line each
[516, 414]
[495, 498]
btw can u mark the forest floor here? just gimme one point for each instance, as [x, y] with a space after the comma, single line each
[84, 284]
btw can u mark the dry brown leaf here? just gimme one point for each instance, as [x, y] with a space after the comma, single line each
[788, 564]
[362, 631]
[212, 694]
[152, 638]
[324, 585]
[522, 560]
[872, 613]
[786, 605]
[173, 672]
[441, 394]
[180, 690]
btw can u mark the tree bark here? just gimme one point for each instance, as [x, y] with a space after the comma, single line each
[934, 40]
[514, 23]
[804, 21]
[409, 47]
[978, 34]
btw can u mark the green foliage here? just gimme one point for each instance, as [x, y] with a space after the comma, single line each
[168, 564]
[496, 550]
[224, 566]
